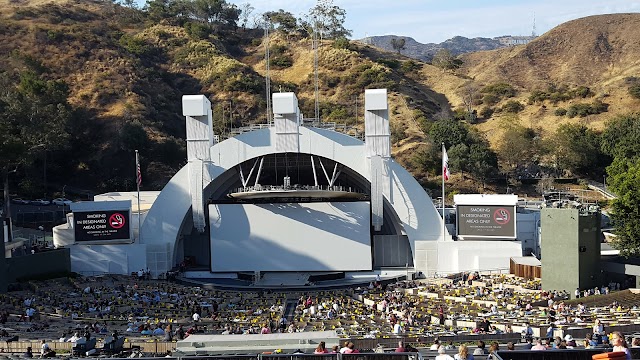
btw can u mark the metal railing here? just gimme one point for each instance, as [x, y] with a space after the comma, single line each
[349, 130]
[298, 187]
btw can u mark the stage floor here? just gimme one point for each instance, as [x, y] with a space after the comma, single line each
[350, 281]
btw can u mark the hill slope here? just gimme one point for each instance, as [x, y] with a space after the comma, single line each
[126, 73]
[592, 51]
[597, 52]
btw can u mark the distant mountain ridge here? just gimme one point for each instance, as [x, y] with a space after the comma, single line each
[457, 45]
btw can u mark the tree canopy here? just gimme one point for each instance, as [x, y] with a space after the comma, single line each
[577, 149]
[328, 20]
[218, 14]
[624, 180]
[445, 60]
[281, 20]
[468, 150]
[621, 140]
[34, 116]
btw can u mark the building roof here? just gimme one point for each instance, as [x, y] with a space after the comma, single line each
[527, 260]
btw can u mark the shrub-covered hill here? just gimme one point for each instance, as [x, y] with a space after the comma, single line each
[123, 75]
[97, 80]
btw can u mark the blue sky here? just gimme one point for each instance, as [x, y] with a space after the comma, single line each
[439, 20]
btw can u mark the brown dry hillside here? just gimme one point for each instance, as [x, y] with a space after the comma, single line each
[125, 72]
[592, 51]
[599, 52]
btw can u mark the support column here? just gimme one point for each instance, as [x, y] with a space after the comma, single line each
[286, 116]
[378, 146]
[197, 110]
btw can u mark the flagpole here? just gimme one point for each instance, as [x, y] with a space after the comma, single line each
[138, 178]
[443, 197]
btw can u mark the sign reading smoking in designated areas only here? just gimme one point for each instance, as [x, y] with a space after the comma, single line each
[102, 225]
[486, 221]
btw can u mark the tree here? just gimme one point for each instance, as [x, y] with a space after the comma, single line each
[482, 161]
[621, 137]
[468, 150]
[448, 131]
[245, 13]
[621, 140]
[33, 119]
[170, 10]
[398, 44]
[281, 20]
[468, 93]
[131, 4]
[134, 137]
[445, 60]
[328, 20]
[624, 175]
[459, 158]
[427, 159]
[216, 13]
[519, 146]
[577, 149]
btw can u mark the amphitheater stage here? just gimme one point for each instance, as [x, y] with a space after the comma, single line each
[294, 281]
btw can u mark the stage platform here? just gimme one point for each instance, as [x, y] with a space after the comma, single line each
[290, 281]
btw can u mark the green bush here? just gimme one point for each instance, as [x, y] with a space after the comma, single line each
[281, 61]
[390, 63]
[559, 93]
[538, 96]
[278, 49]
[133, 45]
[397, 132]
[197, 31]
[513, 106]
[342, 43]
[460, 114]
[490, 99]
[583, 92]
[582, 110]
[501, 90]
[409, 66]
[635, 91]
[368, 76]
[486, 112]
[245, 83]
[560, 112]
[55, 35]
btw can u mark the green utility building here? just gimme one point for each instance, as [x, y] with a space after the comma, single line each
[570, 242]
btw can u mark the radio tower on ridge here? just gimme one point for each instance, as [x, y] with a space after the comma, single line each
[533, 31]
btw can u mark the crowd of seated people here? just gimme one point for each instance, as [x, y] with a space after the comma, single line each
[167, 311]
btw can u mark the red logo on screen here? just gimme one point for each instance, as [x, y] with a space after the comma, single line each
[116, 221]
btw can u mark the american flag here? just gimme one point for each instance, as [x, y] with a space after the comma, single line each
[138, 173]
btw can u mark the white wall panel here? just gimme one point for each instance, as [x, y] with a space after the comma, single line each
[455, 256]
[290, 237]
[114, 259]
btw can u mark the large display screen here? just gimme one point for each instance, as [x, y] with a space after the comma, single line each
[102, 225]
[486, 221]
[290, 237]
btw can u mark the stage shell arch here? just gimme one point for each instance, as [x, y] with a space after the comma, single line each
[170, 215]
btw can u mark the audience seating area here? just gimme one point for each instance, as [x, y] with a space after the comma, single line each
[144, 310]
